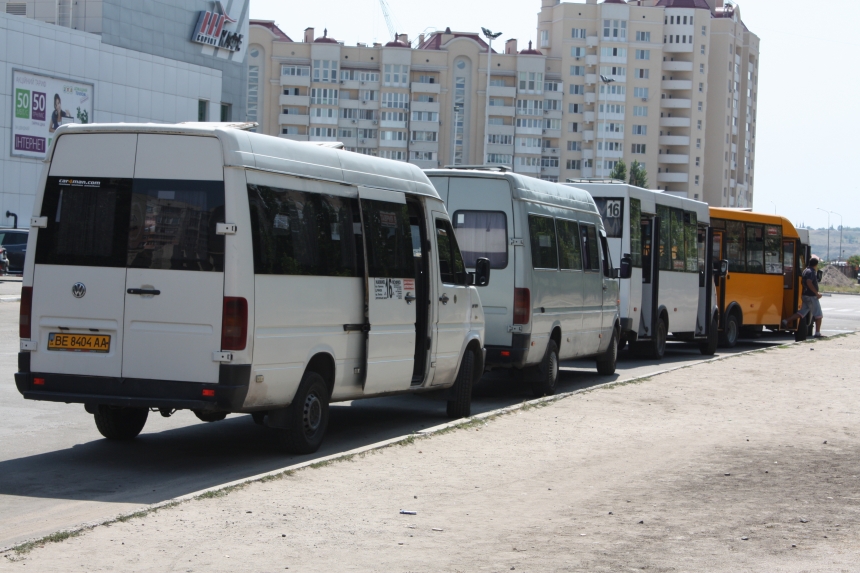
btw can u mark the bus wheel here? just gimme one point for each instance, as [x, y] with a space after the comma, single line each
[120, 423]
[461, 392]
[709, 348]
[205, 416]
[729, 336]
[308, 416]
[606, 362]
[544, 384]
[656, 347]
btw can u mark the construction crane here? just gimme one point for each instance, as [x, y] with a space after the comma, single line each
[389, 19]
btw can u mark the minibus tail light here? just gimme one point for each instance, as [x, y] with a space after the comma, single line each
[234, 323]
[522, 305]
[24, 319]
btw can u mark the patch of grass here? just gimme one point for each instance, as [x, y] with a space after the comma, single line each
[52, 538]
[855, 289]
[220, 492]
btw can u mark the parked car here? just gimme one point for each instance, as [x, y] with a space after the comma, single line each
[14, 241]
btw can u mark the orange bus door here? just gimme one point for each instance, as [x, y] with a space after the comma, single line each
[790, 284]
[719, 283]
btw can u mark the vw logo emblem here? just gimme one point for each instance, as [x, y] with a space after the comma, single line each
[79, 290]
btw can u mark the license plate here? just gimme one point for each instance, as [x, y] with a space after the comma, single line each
[79, 342]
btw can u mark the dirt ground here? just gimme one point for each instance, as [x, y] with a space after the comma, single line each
[744, 464]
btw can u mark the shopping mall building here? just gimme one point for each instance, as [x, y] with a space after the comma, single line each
[87, 61]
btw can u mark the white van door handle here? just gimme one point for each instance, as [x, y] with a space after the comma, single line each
[143, 291]
[444, 299]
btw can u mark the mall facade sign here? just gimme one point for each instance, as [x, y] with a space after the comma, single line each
[41, 104]
[217, 29]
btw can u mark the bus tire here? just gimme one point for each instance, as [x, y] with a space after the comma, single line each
[729, 336]
[547, 379]
[461, 391]
[308, 416]
[656, 347]
[709, 348]
[120, 424]
[607, 361]
[205, 416]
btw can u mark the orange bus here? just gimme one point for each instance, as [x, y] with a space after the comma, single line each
[766, 258]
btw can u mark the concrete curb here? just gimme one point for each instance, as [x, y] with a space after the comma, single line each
[845, 293]
[427, 432]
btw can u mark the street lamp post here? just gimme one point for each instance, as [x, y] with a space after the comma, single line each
[490, 37]
[828, 231]
[606, 81]
[839, 258]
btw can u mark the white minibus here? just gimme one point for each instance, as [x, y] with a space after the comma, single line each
[553, 295]
[216, 270]
[671, 294]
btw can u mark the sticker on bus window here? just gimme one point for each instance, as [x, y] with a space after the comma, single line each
[461, 218]
[544, 241]
[387, 219]
[384, 289]
[282, 222]
[408, 284]
[380, 289]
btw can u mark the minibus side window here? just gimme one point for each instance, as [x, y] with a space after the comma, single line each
[482, 234]
[773, 249]
[692, 239]
[700, 253]
[543, 240]
[388, 239]
[570, 245]
[755, 248]
[172, 225]
[590, 250]
[788, 264]
[677, 244]
[298, 233]
[451, 267]
[646, 233]
[635, 232]
[87, 222]
[665, 238]
[735, 246]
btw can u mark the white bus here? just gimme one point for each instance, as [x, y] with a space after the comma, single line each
[670, 294]
[554, 294]
[215, 270]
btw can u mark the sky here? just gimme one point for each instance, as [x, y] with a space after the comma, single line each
[808, 83]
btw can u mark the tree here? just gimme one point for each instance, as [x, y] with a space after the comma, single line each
[638, 175]
[619, 171]
[854, 261]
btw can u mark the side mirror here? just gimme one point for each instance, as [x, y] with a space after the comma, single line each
[721, 268]
[820, 275]
[481, 276]
[626, 269]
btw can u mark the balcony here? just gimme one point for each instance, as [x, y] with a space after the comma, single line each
[522, 150]
[324, 120]
[673, 159]
[503, 110]
[676, 103]
[424, 146]
[551, 151]
[350, 85]
[588, 135]
[591, 41]
[393, 124]
[732, 183]
[423, 125]
[677, 85]
[674, 140]
[421, 164]
[590, 79]
[529, 131]
[675, 122]
[588, 154]
[672, 178]
[590, 97]
[526, 168]
[734, 130]
[294, 100]
[424, 106]
[293, 119]
[293, 137]
[551, 133]
[590, 60]
[402, 144]
[500, 148]
[552, 114]
[553, 95]
[426, 88]
[551, 171]
[677, 48]
[294, 81]
[588, 117]
[677, 66]
[501, 129]
[610, 154]
[503, 91]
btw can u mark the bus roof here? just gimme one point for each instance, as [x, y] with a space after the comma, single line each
[788, 229]
[528, 188]
[649, 198]
[274, 154]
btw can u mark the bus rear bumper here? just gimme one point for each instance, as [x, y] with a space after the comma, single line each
[513, 356]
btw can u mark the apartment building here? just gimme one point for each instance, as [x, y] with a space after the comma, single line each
[547, 111]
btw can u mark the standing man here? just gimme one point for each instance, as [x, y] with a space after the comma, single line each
[810, 296]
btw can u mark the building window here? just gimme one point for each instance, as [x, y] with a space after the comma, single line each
[643, 36]
[577, 89]
[697, 179]
[253, 93]
[640, 93]
[577, 70]
[323, 96]
[704, 30]
[697, 161]
[640, 130]
[424, 136]
[703, 49]
[554, 124]
[643, 54]
[396, 75]
[425, 116]
[574, 164]
[529, 107]
[613, 89]
[325, 71]
[641, 73]
[617, 71]
[699, 124]
[549, 161]
[553, 87]
[202, 110]
[544, 38]
[423, 156]
[698, 144]
[574, 108]
[577, 52]
[640, 110]
[498, 159]
[610, 146]
[499, 139]
[290, 130]
[226, 112]
[574, 146]
[369, 95]
[395, 154]
[529, 142]
[302, 71]
[701, 68]
[701, 87]
[527, 161]
[395, 100]
[611, 127]
[578, 33]
[612, 108]
[615, 30]
[367, 133]
[531, 82]
[392, 136]
[552, 104]
[572, 127]
[323, 132]
[638, 149]
[613, 52]
[345, 132]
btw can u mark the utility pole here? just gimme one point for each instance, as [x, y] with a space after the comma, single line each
[490, 37]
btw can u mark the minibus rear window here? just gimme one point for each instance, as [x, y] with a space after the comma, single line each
[612, 212]
[141, 223]
[482, 234]
[87, 222]
[544, 247]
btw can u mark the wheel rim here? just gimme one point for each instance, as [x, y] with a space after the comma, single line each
[732, 331]
[312, 414]
[553, 368]
[661, 338]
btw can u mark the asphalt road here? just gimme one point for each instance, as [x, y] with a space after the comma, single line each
[56, 471]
